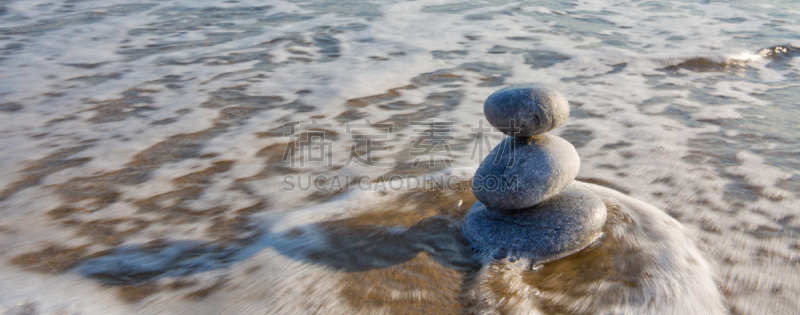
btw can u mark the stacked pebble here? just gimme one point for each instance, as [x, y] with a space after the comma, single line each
[523, 208]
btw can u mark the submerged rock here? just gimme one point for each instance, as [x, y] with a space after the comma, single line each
[519, 173]
[559, 226]
[525, 110]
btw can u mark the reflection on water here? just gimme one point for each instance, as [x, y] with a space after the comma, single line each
[413, 258]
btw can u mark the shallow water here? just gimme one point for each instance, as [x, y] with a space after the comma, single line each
[157, 122]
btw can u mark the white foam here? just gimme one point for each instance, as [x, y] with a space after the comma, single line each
[646, 129]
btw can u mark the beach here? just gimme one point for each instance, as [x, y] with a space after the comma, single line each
[168, 127]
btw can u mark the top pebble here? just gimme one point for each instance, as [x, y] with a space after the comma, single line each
[526, 110]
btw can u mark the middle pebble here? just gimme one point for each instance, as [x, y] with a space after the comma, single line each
[521, 173]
